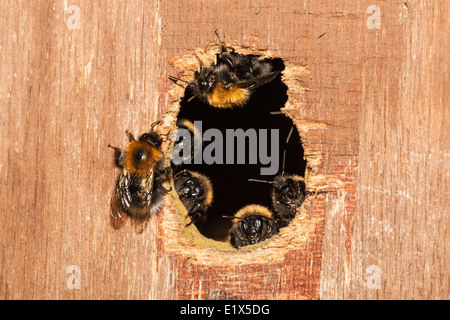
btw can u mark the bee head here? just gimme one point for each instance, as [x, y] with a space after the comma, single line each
[289, 191]
[192, 188]
[205, 79]
[152, 138]
[252, 227]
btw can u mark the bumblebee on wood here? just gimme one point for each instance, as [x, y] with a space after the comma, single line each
[139, 187]
[252, 224]
[195, 192]
[230, 81]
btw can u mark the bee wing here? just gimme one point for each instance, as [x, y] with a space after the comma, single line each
[145, 193]
[117, 214]
[256, 82]
[140, 224]
[147, 187]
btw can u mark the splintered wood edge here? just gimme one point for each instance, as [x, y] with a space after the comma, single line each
[187, 241]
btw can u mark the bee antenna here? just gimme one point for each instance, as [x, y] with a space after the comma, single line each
[199, 61]
[164, 135]
[284, 152]
[155, 124]
[289, 134]
[222, 45]
[264, 181]
[231, 217]
[175, 79]
[217, 34]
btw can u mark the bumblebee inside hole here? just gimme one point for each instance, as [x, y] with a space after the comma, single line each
[230, 180]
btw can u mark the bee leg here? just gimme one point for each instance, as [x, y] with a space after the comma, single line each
[184, 173]
[155, 124]
[236, 238]
[166, 137]
[130, 136]
[180, 174]
[195, 215]
[167, 171]
[118, 157]
[159, 180]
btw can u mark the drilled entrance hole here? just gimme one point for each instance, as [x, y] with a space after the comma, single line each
[232, 190]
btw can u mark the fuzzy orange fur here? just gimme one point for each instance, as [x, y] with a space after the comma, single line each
[142, 169]
[253, 209]
[222, 97]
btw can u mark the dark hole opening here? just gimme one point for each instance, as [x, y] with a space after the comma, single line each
[232, 190]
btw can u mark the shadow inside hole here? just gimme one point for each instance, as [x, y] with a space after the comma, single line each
[232, 190]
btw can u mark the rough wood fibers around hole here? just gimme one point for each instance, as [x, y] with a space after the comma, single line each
[187, 241]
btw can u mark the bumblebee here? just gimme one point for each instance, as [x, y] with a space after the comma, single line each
[230, 81]
[181, 145]
[288, 193]
[195, 192]
[252, 224]
[139, 187]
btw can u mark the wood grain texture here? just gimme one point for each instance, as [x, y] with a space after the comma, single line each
[374, 123]
[401, 221]
[65, 95]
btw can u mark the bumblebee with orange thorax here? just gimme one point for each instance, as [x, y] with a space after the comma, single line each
[230, 81]
[251, 224]
[139, 190]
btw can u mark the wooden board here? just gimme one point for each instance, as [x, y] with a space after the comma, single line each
[373, 119]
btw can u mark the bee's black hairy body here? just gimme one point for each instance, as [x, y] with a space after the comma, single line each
[195, 192]
[288, 194]
[252, 229]
[252, 224]
[230, 81]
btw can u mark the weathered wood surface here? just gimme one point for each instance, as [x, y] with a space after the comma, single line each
[379, 151]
